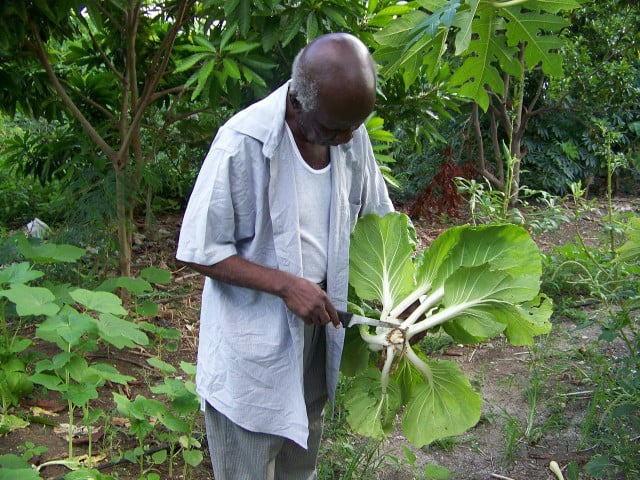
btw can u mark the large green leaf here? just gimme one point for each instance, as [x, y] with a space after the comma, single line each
[19, 273]
[533, 320]
[102, 302]
[120, 332]
[525, 27]
[476, 282]
[371, 411]
[444, 406]
[31, 300]
[506, 248]
[487, 35]
[479, 69]
[380, 262]
[67, 328]
[49, 252]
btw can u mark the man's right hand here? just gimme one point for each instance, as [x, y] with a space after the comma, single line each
[309, 302]
[303, 297]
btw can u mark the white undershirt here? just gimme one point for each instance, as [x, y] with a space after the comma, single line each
[314, 199]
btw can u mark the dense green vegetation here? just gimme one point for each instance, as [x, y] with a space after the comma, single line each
[108, 108]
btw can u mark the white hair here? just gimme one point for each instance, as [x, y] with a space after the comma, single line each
[304, 87]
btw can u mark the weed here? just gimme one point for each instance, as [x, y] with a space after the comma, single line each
[512, 433]
[607, 277]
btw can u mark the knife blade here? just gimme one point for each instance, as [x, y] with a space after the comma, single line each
[348, 319]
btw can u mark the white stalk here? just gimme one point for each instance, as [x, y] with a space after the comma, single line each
[379, 339]
[409, 300]
[384, 375]
[425, 305]
[555, 468]
[439, 318]
[417, 362]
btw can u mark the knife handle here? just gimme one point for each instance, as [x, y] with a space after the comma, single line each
[345, 318]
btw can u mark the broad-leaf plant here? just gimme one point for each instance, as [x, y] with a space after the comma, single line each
[473, 283]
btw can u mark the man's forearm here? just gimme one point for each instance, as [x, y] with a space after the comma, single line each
[302, 297]
[238, 271]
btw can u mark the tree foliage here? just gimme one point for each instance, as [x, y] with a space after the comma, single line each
[137, 84]
[127, 73]
[485, 52]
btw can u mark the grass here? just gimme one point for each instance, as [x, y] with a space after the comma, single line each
[595, 378]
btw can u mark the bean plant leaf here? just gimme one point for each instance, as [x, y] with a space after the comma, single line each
[120, 332]
[80, 393]
[103, 302]
[111, 373]
[156, 275]
[31, 300]
[192, 457]
[49, 252]
[66, 329]
[14, 466]
[19, 273]
[137, 286]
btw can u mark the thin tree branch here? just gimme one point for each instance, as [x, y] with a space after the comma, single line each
[158, 95]
[96, 44]
[92, 102]
[154, 79]
[69, 103]
[481, 161]
[495, 142]
[117, 25]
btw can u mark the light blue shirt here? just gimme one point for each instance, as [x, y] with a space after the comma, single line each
[244, 203]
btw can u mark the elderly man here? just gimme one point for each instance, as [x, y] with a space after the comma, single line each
[268, 224]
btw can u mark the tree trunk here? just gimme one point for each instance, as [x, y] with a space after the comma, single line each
[125, 232]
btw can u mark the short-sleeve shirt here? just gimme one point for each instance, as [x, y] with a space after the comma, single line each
[244, 203]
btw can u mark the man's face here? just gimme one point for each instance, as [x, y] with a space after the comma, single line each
[318, 129]
[332, 122]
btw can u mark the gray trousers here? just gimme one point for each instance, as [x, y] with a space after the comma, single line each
[239, 454]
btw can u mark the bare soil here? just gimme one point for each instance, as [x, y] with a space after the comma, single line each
[494, 449]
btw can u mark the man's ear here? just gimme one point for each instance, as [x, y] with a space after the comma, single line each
[295, 103]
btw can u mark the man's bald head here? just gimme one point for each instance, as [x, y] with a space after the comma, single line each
[338, 69]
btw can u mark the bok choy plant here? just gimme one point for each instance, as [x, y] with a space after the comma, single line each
[475, 283]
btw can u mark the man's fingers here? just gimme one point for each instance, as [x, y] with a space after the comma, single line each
[333, 316]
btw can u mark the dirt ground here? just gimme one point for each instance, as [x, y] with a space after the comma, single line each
[502, 373]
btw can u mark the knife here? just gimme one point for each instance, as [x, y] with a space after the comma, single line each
[350, 319]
